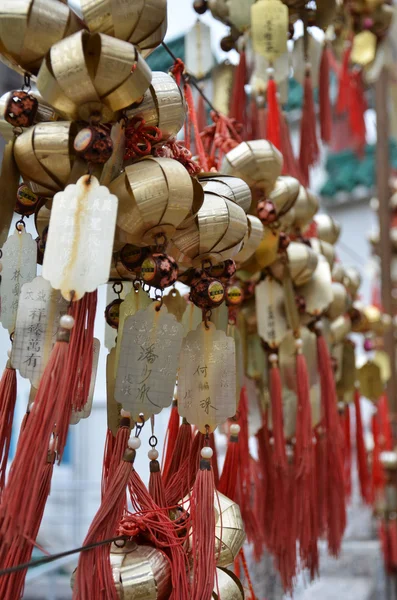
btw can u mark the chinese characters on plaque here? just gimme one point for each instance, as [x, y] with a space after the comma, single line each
[40, 308]
[269, 27]
[19, 267]
[270, 312]
[80, 238]
[148, 361]
[207, 381]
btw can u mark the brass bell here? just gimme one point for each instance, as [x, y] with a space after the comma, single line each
[257, 162]
[340, 328]
[305, 207]
[251, 240]
[232, 188]
[302, 262]
[284, 194]
[227, 586]
[325, 249]
[340, 303]
[352, 280]
[328, 230]
[338, 272]
[162, 106]
[155, 196]
[229, 530]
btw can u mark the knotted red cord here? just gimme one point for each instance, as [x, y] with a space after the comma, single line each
[140, 138]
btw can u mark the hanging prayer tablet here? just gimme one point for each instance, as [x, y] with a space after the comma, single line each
[207, 380]
[19, 267]
[148, 361]
[191, 318]
[370, 380]
[86, 410]
[175, 304]
[135, 300]
[270, 312]
[39, 310]
[80, 238]
[269, 27]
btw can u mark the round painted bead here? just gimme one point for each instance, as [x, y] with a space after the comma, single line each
[134, 443]
[234, 295]
[159, 270]
[153, 454]
[266, 212]
[27, 201]
[223, 270]
[21, 109]
[112, 313]
[132, 257]
[207, 293]
[94, 144]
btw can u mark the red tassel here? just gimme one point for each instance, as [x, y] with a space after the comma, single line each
[247, 575]
[170, 438]
[181, 483]
[94, 577]
[347, 451]
[228, 480]
[385, 430]
[335, 492]
[290, 164]
[107, 457]
[32, 451]
[324, 99]
[203, 533]
[357, 108]
[182, 447]
[344, 83]
[156, 485]
[309, 151]
[378, 477]
[273, 131]
[201, 113]
[21, 549]
[321, 481]
[362, 463]
[239, 99]
[266, 510]
[8, 397]
[119, 445]
[305, 523]
[215, 466]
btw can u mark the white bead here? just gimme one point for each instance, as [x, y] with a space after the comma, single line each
[273, 358]
[207, 452]
[134, 443]
[125, 414]
[235, 429]
[153, 454]
[319, 326]
[67, 322]
[270, 71]
[298, 344]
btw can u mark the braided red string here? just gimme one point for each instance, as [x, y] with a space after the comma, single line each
[139, 138]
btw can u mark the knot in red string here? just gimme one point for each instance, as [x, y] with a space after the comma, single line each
[177, 70]
[139, 138]
[176, 150]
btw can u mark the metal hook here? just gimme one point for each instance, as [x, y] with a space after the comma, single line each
[117, 287]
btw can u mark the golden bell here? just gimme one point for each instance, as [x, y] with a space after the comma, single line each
[352, 280]
[252, 240]
[305, 208]
[232, 188]
[302, 262]
[142, 22]
[44, 158]
[257, 162]
[139, 572]
[155, 196]
[216, 234]
[88, 75]
[317, 292]
[328, 230]
[340, 328]
[28, 29]
[325, 249]
[340, 302]
[229, 530]
[227, 586]
[338, 272]
[284, 194]
[162, 106]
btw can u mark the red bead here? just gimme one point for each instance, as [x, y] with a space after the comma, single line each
[21, 109]
[94, 144]
[207, 293]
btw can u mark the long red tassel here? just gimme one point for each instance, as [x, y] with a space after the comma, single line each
[335, 493]
[309, 150]
[273, 131]
[324, 99]
[215, 466]
[357, 108]
[305, 523]
[344, 83]
[181, 483]
[378, 476]
[156, 484]
[118, 448]
[238, 108]
[228, 480]
[362, 463]
[32, 451]
[268, 497]
[203, 531]
[21, 549]
[321, 481]
[347, 451]
[384, 424]
[107, 457]
[8, 397]
[94, 576]
[290, 164]
[170, 438]
[181, 451]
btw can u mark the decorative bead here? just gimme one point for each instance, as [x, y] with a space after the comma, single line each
[159, 270]
[234, 429]
[66, 321]
[94, 144]
[207, 293]
[21, 109]
[234, 295]
[207, 452]
[266, 212]
[112, 313]
[299, 344]
[223, 270]
[124, 414]
[227, 43]
[134, 443]
[283, 241]
[132, 257]
[319, 326]
[153, 454]
[27, 201]
[200, 6]
[273, 358]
